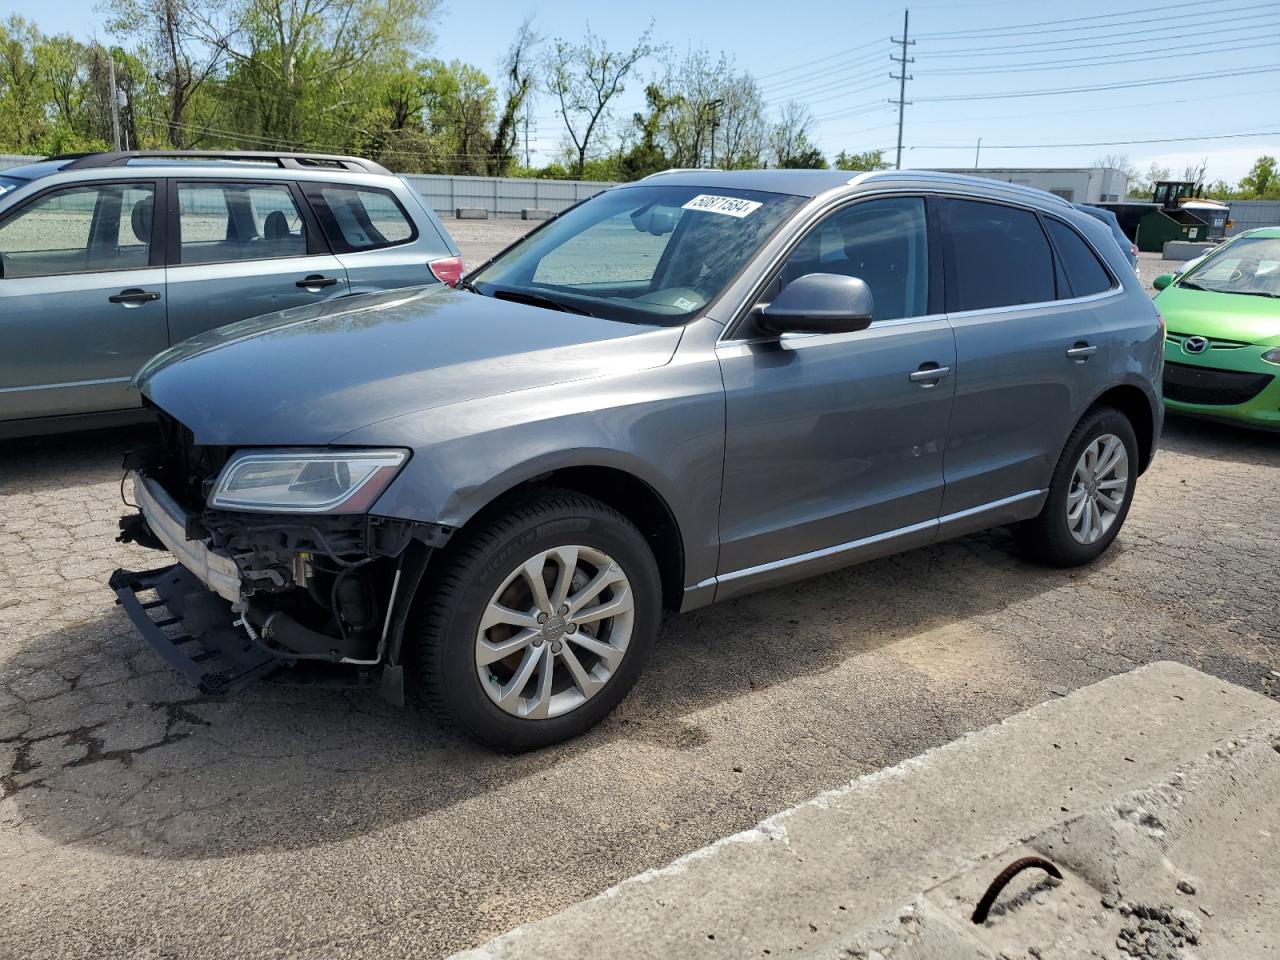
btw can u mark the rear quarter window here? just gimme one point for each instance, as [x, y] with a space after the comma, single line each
[360, 218]
[1085, 273]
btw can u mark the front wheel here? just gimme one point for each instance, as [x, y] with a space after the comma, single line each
[539, 623]
[1090, 493]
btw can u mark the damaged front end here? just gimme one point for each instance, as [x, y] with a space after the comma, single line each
[280, 566]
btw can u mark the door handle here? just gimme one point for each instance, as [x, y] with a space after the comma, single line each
[133, 296]
[929, 375]
[316, 280]
[1082, 351]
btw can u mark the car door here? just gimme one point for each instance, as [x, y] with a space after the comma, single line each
[241, 249]
[1028, 355]
[834, 442]
[82, 298]
[373, 235]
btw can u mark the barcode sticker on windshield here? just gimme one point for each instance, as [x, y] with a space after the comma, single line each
[729, 206]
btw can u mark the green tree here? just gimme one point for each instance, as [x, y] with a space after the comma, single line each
[1260, 183]
[871, 160]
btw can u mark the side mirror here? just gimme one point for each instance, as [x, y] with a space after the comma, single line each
[1163, 280]
[819, 303]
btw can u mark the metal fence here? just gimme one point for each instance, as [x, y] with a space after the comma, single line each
[500, 196]
[15, 160]
[1247, 214]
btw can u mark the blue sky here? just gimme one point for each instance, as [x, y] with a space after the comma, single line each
[835, 57]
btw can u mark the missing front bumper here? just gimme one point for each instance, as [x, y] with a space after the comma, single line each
[192, 629]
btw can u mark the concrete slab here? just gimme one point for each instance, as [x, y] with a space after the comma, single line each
[895, 859]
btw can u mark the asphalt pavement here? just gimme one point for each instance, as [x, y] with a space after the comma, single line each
[139, 819]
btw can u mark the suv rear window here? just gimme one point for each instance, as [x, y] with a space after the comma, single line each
[996, 256]
[1085, 275]
[360, 218]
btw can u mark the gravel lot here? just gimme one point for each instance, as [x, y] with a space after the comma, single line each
[139, 819]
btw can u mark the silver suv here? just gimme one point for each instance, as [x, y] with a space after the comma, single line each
[680, 391]
[93, 282]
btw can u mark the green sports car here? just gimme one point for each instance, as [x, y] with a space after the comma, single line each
[1222, 346]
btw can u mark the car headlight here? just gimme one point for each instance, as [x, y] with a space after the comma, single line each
[305, 481]
[1272, 356]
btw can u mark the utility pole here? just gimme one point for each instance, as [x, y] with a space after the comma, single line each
[115, 100]
[714, 106]
[526, 135]
[977, 153]
[902, 77]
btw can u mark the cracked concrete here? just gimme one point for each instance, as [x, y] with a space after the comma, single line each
[137, 819]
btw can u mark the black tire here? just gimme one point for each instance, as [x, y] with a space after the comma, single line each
[1047, 538]
[441, 648]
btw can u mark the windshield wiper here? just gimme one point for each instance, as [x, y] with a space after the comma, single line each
[538, 300]
[470, 287]
[1190, 285]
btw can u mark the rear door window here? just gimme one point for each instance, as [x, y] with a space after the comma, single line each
[996, 256]
[229, 222]
[85, 229]
[360, 218]
[1085, 274]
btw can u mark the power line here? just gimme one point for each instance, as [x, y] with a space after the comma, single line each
[1014, 27]
[1098, 143]
[840, 85]
[1099, 86]
[1102, 61]
[1128, 38]
[826, 73]
[810, 63]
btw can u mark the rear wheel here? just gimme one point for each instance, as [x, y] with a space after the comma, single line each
[1090, 493]
[539, 623]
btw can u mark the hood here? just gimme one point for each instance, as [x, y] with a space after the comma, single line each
[1220, 316]
[311, 374]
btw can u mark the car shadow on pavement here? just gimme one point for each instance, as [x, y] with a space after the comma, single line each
[40, 464]
[107, 748]
[1220, 441]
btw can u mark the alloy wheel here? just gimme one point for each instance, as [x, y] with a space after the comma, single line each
[1098, 489]
[555, 632]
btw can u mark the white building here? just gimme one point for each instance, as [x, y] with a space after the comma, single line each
[1077, 184]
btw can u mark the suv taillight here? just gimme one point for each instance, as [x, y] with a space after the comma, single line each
[448, 271]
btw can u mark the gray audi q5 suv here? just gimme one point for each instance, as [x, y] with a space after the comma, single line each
[682, 390]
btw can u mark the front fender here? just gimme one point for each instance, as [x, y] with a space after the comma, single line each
[665, 427]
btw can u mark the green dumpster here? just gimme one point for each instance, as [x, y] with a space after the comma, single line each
[1160, 226]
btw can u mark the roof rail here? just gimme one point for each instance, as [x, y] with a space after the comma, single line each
[941, 176]
[295, 161]
[663, 173]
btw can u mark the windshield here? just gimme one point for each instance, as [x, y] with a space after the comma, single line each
[9, 183]
[652, 254]
[1250, 265]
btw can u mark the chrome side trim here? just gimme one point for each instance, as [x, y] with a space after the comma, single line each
[989, 507]
[166, 519]
[853, 545]
[826, 552]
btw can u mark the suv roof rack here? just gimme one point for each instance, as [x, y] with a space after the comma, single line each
[296, 161]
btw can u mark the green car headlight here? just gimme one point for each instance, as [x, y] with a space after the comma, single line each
[305, 481]
[1272, 356]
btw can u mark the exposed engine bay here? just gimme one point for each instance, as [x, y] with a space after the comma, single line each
[291, 588]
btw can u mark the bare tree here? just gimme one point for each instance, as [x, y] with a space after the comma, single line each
[183, 46]
[1194, 171]
[519, 68]
[584, 78]
[1118, 161]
